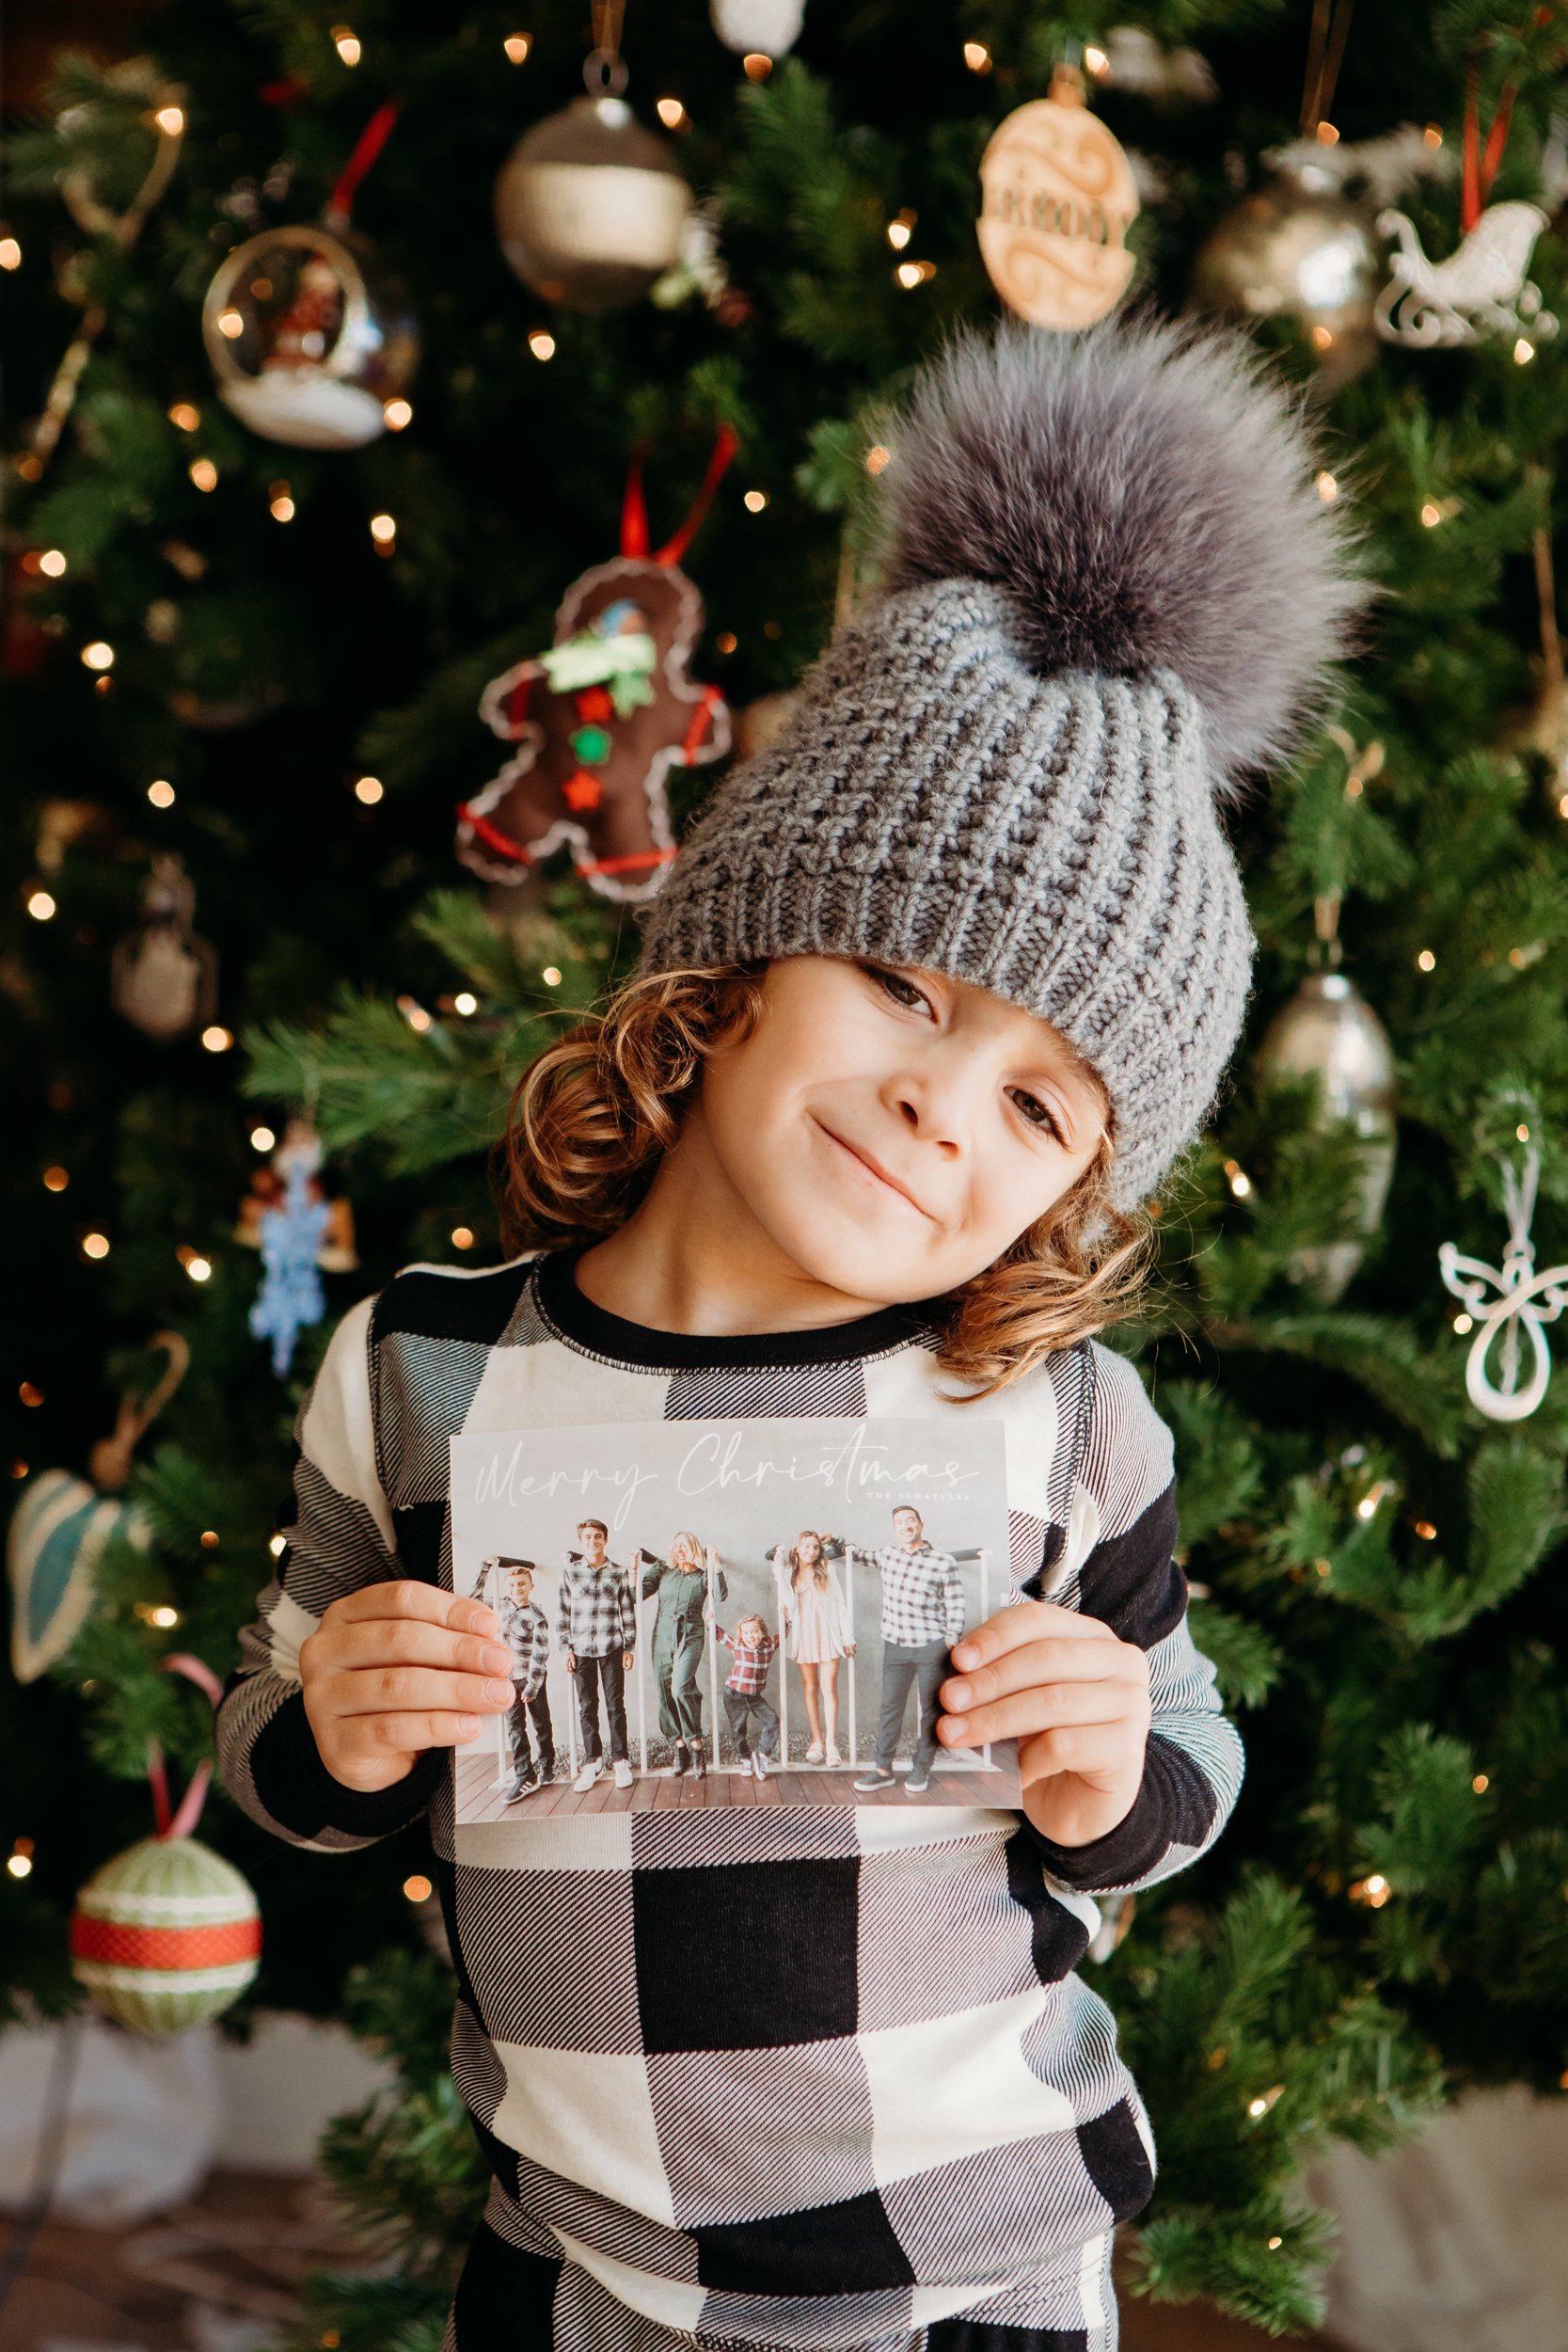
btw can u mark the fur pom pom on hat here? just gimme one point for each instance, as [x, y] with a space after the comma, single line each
[1111, 590]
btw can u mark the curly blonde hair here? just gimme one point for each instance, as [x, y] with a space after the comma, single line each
[593, 1117]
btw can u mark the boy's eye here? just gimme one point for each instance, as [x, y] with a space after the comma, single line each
[903, 992]
[1038, 1114]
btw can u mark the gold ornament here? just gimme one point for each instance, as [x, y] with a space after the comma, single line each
[1058, 199]
[590, 205]
[1297, 247]
[1329, 1032]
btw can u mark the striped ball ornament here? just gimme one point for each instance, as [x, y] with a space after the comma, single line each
[166, 1935]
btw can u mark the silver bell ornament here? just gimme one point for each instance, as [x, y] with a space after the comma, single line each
[1298, 247]
[1329, 1032]
[307, 345]
[590, 204]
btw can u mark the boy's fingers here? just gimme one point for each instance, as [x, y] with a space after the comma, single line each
[395, 1691]
[1105, 1705]
[1044, 1663]
[410, 1642]
[406, 1597]
[1025, 1621]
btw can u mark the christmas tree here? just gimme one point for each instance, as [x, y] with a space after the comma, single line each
[247, 667]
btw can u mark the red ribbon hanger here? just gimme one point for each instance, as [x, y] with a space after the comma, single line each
[634, 512]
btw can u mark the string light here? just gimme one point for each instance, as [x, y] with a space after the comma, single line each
[1462, 1324]
[756, 65]
[346, 42]
[727, 641]
[1264, 2101]
[99, 655]
[55, 1180]
[369, 789]
[204, 473]
[1096, 61]
[30, 1393]
[398, 414]
[462, 1236]
[170, 120]
[1322, 1568]
[19, 1468]
[161, 792]
[541, 345]
[19, 1862]
[209, 1540]
[977, 56]
[1426, 961]
[216, 1038]
[755, 500]
[232, 324]
[877, 458]
[1432, 514]
[95, 1245]
[551, 976]
[156, 1613]
[198, 1267]
[1481, 1784]
[41, 906]
[900, 229]
[1274, 2245]
[517, 47]
[673, 114]
[263, 1139]
[1433, 135]
[1328, 135]
[185, 416]
[1373, 1891]
[280, 505]
[1240, 1181]
[416, 1888]
[414, 1014]
[10, 253]
[278, 1546]
[384, 531]
[913, 274]
[51, 563]
[1426, 1531]
[1522, 1132]
[466, 1003]
[1524, 351]
[1327, 488]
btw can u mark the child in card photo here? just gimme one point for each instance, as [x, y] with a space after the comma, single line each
[820, 1222]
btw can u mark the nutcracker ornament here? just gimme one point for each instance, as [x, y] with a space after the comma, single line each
[167, 1934]
[601, 718]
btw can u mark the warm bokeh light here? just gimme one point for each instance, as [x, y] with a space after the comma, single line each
[216, 1038]
[204, 473]
[161, 792]
[369, 789]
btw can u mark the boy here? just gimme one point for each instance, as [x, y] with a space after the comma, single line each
[923, 1616]
[595, 1620]
[938, 988]
[751, 1647]
[525, 1629]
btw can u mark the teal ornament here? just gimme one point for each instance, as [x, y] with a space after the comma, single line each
[291, 1295]
[57, 1534]
[590, 744]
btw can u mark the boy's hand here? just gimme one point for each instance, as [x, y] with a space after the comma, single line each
[395, 1669]
[1073, 1695]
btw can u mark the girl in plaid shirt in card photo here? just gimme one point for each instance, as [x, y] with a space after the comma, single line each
[938, 988]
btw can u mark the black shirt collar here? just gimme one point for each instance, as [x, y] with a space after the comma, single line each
[576, 1320]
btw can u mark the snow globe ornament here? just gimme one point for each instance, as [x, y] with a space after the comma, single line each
[307, 345]
[590, 204]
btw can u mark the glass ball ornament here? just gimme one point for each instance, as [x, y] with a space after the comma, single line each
[590, 204]
[769, 28]
[1328, 1031]
[308, 342]
[1298, 247]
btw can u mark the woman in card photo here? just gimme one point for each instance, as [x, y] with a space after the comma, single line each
[814, 1616]
[683, 1585]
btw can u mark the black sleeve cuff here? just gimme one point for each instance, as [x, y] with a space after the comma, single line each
[1175, 1806]
[299, 1792]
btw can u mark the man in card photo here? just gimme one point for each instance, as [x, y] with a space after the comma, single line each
[597, 1626]
[923, 1616]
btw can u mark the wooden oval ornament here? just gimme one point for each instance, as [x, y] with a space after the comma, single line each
[1058, 198]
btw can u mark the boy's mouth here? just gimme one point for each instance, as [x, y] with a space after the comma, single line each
[875, 1169]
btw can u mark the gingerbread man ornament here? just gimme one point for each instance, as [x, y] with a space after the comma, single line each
[601, 718]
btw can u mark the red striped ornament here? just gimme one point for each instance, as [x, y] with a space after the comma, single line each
[166, 1935]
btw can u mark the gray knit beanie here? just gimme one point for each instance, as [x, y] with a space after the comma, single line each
[1111, 590]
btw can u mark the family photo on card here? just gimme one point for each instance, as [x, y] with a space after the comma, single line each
[722, 1613]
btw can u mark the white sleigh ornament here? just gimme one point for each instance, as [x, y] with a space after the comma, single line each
[1481, 286]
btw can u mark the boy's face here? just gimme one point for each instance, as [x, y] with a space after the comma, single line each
[891, 1133]
[519, 1586]
[591, 1542]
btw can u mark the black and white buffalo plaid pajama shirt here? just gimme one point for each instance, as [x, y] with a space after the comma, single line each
[801, 2076]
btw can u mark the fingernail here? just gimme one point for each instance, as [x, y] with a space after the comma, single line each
[966, 1656]
[956, 1725]
[467, 1726]
[498, 1693]
[496, 1659]
[484, 1620]
[958, 1696]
